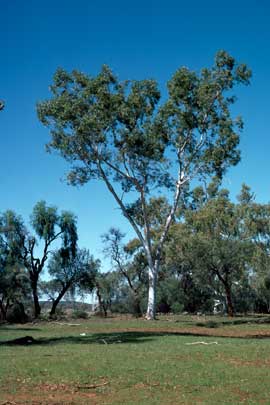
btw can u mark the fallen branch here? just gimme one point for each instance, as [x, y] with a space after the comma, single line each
[8, 403]
[202, 343]
[68, 324]
[92, 386]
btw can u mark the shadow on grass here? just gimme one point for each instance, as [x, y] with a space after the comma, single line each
[6, 327]
[234, 321]
[94, 338]
[137, 337]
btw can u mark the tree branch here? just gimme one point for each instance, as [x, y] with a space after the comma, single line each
[120, 203]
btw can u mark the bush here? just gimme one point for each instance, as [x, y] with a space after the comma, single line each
[16, 314]
[177, 308]
[79, 314]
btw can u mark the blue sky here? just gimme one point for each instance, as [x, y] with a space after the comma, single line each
[140, 39]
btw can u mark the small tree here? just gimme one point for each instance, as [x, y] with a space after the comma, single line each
[67, 271]
[121, 133]
[49, 226]
[106, 286]
[130, 267]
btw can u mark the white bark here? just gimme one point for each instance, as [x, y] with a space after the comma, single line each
[151, 306]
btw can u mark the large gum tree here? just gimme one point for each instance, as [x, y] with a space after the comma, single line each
[138, 144]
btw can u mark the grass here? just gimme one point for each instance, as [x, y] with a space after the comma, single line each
[128, 361]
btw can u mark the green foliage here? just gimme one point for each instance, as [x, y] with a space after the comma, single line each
[217, 245]
[198, 111]
[246, 196]
[12, 238]
[72, 269]
[49, 224]
[43, 220]
[169, 295]
[16, 313]
[177, 308]
[99, 120]
[245, 296]
[156, 210]
[106, 285]
[14, 291]
[14, 283]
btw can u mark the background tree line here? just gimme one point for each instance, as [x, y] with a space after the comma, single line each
[216, 259]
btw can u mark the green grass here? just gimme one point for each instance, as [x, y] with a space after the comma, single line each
[128, 361]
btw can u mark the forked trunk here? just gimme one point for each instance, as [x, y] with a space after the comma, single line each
[54, 306]
[151, 306]
[57, 300]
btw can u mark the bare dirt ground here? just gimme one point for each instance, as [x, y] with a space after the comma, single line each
[50, 394]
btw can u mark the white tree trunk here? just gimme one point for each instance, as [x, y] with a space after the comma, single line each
[151, 306]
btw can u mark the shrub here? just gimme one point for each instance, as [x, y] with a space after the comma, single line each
[16, 314]
[79, 314]
[177, 308]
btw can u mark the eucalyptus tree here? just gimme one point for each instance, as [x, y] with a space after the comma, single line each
[49, 226]
[214, 243]
[125, 135]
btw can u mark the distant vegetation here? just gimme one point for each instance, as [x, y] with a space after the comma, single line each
[215, 260]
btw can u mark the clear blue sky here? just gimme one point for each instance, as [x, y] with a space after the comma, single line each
[138, 39]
